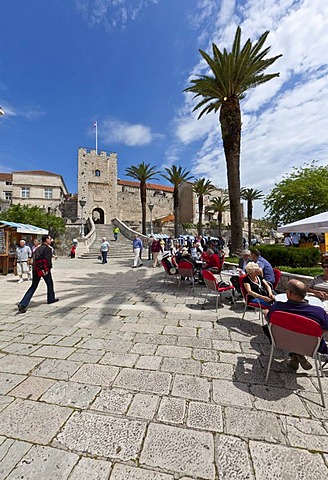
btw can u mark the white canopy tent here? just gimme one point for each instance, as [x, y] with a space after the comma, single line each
[315, 224]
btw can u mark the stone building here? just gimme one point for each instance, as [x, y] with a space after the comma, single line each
[189, 205]
[35, 188]
[6, 190]
[107, 197]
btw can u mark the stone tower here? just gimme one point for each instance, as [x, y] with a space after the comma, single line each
[97, 184]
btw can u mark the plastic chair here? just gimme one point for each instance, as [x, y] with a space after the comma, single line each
[277, 275]
[213, 286]
[186, 270]
[297, 334]
[168, 274]
[249, 303]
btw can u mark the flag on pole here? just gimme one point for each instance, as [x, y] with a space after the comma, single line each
[95, 125]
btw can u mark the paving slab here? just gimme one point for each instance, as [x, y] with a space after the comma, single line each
[70, 394]
[143, 381]
[205, 416]
[285, 462]
[112, 401]
[194, 388]
[11, 452]
[172, 410]
[143, 406]
[91, 469]
[20, 364]
[32, 388]
[179, 450]
[233, 459]
[102, 435]
[8, 381]
[95, 374]
[44, 462]
[32, 421]
[124, 472]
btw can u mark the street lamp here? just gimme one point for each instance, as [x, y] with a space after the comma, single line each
[82, 203]
[151, 206]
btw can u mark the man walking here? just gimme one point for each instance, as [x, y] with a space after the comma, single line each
[137, 247]
[104, 249]
[22, 261]
[44, 252]
[116, 231]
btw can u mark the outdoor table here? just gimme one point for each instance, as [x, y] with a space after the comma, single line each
[230, 273]
[282, 297]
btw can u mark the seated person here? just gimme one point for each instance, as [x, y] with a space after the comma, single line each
[204, 256]
[319, 285]
[244, 259]
[193, 251]
[169, 262]
[214, 263]
[268, 273]
[296, 303]
[186, 257]
[258, 290]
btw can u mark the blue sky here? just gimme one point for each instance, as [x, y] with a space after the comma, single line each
[125, 63]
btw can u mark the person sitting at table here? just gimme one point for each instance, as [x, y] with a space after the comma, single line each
[214, 263]
[297, 304]
[244, 259]
[258, 290]
[268, 273]
[204, 256]
[319, 285]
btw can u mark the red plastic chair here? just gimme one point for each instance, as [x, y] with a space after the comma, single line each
[297, 334]
[277, 275]
[186, 270]
[168, 274]
[249, 303]
[213, 286]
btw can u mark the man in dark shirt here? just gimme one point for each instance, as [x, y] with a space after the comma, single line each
[296, 303]
[43, 252]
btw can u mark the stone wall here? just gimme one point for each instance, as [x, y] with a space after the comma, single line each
[97, 183]
[129, 204]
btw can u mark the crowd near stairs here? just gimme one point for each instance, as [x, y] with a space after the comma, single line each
[120, 249]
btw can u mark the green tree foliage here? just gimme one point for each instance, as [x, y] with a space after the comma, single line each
[202, 187]
[176, 175]
[299, 195]
[291, 257]
[250, 194]
[232, 75]
[35, 216]
[142, 172]
[219, 205]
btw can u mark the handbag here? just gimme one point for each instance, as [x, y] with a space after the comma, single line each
[41, 267]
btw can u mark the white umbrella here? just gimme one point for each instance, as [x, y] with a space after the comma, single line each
[315, 224]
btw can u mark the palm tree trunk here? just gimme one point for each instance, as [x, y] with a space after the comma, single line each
[230, 120]
[143, 198]
[219, 223]
[200, 215]
[249, 218]
[176, 211]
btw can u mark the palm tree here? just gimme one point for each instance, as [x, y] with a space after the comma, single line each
[202, 187]
[176, 175]
[234, 73]
[142, 172]
[219, 205]
[250, 194]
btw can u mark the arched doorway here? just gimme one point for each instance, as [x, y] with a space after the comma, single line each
[98, 215]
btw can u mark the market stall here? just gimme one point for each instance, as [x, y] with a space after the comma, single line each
[10, 235]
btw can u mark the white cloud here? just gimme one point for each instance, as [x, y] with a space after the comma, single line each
[284, 120]
[132, 135]
[111, 13]
[30, 113]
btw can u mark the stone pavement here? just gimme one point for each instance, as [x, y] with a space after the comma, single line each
[128, 379]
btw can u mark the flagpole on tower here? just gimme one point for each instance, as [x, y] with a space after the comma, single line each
[96, 138]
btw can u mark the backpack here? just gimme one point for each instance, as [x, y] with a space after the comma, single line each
[40, 264]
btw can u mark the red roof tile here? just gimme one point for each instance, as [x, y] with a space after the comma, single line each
[150, 186]
[6, 176]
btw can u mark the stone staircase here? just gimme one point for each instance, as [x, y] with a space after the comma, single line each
[120, 249]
